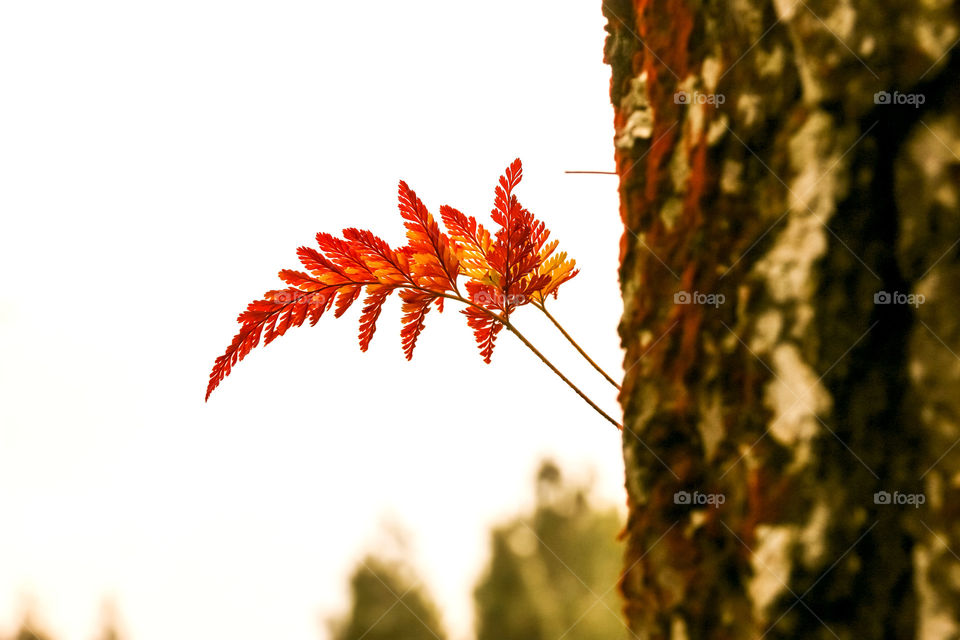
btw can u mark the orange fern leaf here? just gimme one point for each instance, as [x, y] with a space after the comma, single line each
[376, 296]
[485, 330]
[471, 242]
[551, 270]
[308, 297]
[344, 255]
[435, 263]
[387, 265]
[508, 269]
[274, 314]
[514, 256]
[416, 304]
[559, 270]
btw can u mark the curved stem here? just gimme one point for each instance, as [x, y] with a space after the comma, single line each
[536, 352]
[562, 377]
[543, 307]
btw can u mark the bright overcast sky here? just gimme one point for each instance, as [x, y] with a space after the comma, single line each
[159, 163]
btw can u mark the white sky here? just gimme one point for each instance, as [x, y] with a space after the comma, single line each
[159, 163]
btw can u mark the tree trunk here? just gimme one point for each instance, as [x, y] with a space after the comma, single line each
[790, 271]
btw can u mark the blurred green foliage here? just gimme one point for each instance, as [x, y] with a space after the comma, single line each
[29, 631]
[388, 604]
[552, 576]
[553, 573]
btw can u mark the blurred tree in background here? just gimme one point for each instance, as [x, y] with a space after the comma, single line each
[552, 576]
[553, 573]
[29, 632]
[388, 603]
[109, 633]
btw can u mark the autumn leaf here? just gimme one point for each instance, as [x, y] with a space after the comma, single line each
[501, 271]
[471, 242]
[436, 265]
[485, 330]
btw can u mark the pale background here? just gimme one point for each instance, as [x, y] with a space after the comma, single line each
[159, 162]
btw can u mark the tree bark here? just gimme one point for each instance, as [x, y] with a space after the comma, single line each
[786, 169]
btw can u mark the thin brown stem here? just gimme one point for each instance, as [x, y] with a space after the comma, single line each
[506, 323]
[562, 377]
[543, 307]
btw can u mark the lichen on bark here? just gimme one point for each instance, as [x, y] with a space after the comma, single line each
[775, 155]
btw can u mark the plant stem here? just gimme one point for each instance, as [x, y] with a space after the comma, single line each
[543, 307]
[570, 384]
[529, 345]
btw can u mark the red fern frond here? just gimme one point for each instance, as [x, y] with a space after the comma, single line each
[435, 263]
[389, 266]
[471, 242]
[315, 262]
[301, 280]
[514, 253]
[551, 270]
[273, 315]
[487, 296]
[502, 211]
[512, 176]
[485, 330]
[465, 230]
[348, 285]
[503, 271]
[376, 295]
[416, 304]
[343, 254]
[346, 296]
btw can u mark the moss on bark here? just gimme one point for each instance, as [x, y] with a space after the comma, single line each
[781, 165]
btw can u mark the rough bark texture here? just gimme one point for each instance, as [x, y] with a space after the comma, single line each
[778, 182]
